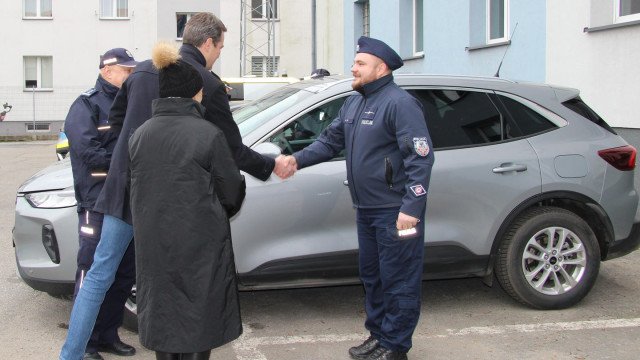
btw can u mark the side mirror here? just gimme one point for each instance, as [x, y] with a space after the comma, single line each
[268, 149]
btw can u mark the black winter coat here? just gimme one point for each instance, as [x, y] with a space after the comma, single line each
[130, 109]
[214, 98]
[184, 187]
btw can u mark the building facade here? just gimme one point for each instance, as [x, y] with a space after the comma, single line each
[592, 45]
[54, 47]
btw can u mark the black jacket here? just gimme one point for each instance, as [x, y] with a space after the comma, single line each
[184, 187]
[131, 108]
[215, 100]
[90, 148]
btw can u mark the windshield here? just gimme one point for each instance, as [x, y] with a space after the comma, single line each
[257, 112]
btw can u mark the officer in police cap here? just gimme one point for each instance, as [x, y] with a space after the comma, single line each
[90, 146]
[389, 160]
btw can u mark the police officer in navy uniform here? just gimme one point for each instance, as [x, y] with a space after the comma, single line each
[91, 144]
[389, 159]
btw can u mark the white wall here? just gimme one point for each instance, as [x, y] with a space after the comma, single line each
[330, 35]
[602, 64]
[75, 38]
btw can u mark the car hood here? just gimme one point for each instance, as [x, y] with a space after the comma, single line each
[59, 176]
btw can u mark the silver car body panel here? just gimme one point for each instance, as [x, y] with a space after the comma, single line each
[473, 189]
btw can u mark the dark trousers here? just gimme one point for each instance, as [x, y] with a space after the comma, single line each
[391, 271]
[111, 314]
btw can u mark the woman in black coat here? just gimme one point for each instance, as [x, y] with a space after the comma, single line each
[184, 187]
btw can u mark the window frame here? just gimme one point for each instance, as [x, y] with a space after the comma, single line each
[114, 9]
[505, 29]
[39, 72]
[37, 124]
[265, 66]
[418, 19]
[617, 18]
[38, 11]
[274, 6]
[189, 15]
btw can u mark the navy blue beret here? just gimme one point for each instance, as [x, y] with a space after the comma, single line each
[383, 51]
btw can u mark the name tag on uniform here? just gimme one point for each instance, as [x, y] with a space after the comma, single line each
[348, 121]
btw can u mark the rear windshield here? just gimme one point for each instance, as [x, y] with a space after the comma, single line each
[578, 106]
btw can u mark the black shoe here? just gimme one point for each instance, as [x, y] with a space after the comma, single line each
[92, 356]
[118, 348]
[363, 350]
[382, 353]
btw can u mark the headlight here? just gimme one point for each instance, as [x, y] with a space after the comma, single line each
[52, 199]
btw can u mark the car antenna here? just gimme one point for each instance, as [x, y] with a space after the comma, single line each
[505, 51]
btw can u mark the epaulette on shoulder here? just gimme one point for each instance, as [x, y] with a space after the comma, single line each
[89, 92]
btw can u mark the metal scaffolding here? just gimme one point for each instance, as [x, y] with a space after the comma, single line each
[257, 23]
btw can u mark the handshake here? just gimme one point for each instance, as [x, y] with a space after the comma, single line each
[286, 166]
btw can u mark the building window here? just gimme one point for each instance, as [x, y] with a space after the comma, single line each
[39, 127]
[114, 9]
[263, 66]
[418, 27]
[38, 72]
[366, 19]
[264, 9]
[626, 10]
[497, 21]
[181, 22]
[37, 9]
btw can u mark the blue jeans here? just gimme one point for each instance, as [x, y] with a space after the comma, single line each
[391, 272]
[111, 314]
[115, 239]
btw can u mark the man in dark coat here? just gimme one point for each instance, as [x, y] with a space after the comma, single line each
[91, 144]
[131, 108]
[187, 299]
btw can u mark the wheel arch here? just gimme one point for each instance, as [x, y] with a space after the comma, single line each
[579, 204]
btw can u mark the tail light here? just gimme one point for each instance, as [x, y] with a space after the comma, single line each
[622, 158]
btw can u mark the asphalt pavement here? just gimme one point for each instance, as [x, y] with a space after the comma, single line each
[460, 319]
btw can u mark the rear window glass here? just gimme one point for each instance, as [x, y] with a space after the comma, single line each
[578, 106]
[522, 120]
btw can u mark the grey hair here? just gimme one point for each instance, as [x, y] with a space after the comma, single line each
[202, 26]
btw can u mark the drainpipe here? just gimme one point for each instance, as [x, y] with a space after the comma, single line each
[313, 35]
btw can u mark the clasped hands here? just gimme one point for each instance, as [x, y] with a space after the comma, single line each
[286, 166]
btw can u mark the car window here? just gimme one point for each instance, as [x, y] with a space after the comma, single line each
[581, 108]
[256, 113]
[459, 118]
[522, 120]
[306, 128]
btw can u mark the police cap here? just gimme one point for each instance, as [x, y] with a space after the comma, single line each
[118, 56]
[380, 49]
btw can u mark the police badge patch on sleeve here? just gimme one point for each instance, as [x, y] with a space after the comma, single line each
[421, 145]
[418, 190]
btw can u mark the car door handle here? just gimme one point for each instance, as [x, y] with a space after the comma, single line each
[346, 183]
[506, 167]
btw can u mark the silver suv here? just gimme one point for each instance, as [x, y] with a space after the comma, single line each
[529, 184]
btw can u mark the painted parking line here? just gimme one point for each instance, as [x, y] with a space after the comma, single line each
[247, 346]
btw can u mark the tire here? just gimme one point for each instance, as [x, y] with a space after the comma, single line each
[548, 275]
[130, 320]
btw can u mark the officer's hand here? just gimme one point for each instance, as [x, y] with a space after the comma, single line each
[286, 166]
[406, 221]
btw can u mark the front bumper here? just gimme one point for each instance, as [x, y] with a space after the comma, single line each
[34, 264]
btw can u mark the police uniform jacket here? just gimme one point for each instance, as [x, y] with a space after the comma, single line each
[215, 100]
[90, 148]
[131, 108]
[387, 145]
[184, 187]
